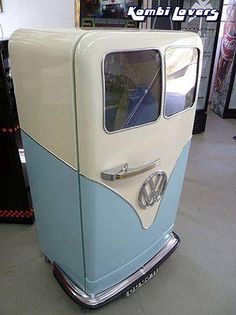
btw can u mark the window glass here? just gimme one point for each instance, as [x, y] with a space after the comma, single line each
[181, 71]
[132, 88]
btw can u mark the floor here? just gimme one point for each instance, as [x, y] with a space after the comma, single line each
[198, 279]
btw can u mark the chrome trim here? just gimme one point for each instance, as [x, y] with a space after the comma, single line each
[123, 171]
[199, 70]
[100, 299]
[162, 63]
[104, 184]
[152, 189]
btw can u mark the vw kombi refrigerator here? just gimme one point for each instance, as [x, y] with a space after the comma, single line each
[106, 118]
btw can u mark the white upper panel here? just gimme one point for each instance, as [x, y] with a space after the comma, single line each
[43, 73]
[99, 150]
[89, 55]
[42, 67]
[54, 69]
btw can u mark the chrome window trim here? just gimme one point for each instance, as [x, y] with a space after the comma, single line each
[162, 63]
[197, 80]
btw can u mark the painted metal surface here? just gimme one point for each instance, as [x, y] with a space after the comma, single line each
[115, 244]
[112, 229]
[42, 67]
[52, 74]
[99, 150]
[93, 228]
[56, 195]
[128, 285]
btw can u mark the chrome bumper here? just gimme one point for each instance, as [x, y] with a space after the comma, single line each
[100, 299]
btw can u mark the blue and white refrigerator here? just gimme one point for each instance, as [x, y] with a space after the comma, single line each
[106, 118]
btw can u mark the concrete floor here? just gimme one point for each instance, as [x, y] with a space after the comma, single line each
[198, 279]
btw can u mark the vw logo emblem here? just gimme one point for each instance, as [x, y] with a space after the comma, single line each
[152, 189]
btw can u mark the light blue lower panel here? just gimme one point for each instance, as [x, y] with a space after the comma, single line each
[55, 192]
[115, 244]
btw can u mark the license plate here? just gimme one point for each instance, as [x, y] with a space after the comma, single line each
[141, 283]
[113, 10]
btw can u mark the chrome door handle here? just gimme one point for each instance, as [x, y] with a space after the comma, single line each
[124, 171]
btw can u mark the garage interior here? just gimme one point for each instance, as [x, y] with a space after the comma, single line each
[199, 278]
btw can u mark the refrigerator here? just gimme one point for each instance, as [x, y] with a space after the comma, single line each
[106, 120]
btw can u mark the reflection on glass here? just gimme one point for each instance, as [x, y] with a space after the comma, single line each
[132, 88]
[181, 69]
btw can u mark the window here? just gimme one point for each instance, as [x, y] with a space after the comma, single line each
[132, 88]
[181, 80]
